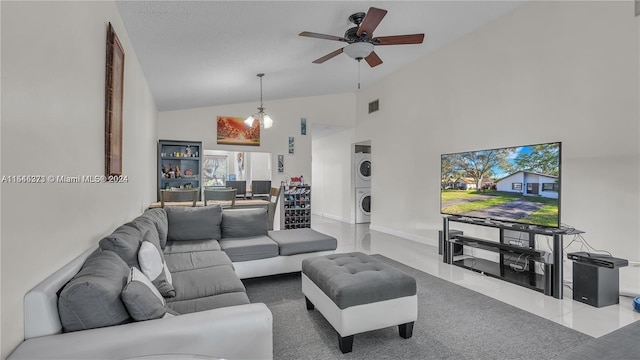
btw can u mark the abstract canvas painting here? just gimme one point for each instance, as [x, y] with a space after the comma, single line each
[233, 131]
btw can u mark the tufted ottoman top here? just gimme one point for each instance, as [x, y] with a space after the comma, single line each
[355, 278]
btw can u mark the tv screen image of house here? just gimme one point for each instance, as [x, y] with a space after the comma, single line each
[518, 184]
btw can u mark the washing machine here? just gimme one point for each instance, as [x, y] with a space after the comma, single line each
[363, 205]
[363, 170]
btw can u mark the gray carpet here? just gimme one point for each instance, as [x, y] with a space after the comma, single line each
[453, 323]
[622, 344]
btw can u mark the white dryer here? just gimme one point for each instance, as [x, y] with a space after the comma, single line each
[363, 205]
[363, 170]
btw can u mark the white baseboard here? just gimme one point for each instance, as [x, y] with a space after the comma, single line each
[337, 218]
[413, 237]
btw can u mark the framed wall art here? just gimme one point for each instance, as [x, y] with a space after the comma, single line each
[233, 131]
[291, 145]
[114, 89]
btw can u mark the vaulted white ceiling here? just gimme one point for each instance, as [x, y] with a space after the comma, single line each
[207, 53]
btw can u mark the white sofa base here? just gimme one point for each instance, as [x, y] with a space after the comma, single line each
[360, 318]
[274, 265]
[220, 333]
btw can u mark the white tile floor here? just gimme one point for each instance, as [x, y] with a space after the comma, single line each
[578, 316]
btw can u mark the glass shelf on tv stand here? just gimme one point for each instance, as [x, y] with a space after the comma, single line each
[540, 230]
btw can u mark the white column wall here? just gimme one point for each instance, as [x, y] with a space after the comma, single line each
[53, 79]
[333, 194]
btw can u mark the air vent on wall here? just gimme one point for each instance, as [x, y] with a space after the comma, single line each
[374, 106]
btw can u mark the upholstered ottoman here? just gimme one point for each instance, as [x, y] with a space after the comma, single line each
[357, 293]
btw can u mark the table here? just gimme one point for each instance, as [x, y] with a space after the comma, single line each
[239, 203]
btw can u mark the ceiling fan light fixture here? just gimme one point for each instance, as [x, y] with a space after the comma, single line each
[358, 50]
[265, 120]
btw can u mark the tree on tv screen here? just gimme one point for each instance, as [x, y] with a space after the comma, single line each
[479, 165]
[542, 159]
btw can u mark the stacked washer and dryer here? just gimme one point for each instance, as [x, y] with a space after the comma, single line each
[363, 187]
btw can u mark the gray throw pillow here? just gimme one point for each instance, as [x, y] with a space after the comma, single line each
[153, 265]
[91, 299]
[142, 299]
[244, 223]
[194, 223]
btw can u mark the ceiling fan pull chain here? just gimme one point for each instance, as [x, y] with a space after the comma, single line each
[359, 74]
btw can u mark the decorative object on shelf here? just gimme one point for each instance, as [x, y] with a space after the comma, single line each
[303, 126]
[234, 131]
[280, 163]
[291, 145]
[297, 181]
[264, 119]
[114, 86]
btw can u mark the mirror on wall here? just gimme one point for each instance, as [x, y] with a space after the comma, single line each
[218, 166]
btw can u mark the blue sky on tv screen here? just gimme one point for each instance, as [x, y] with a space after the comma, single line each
[519, 150]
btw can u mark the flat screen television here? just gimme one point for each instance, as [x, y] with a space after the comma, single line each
[519, 184]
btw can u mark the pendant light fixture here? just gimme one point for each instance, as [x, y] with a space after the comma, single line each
[265, 120]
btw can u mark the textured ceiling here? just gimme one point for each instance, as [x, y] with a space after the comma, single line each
[207, 53]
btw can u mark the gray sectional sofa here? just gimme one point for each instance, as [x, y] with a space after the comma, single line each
[168, 282]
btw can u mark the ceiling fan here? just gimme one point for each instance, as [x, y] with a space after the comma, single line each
[360, 38]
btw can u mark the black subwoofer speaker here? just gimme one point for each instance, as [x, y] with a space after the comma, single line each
[595, 285]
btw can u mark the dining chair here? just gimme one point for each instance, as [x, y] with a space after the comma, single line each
[274, 196]
[221, 195]
[240, 186]
[179, 196]
[261, 189]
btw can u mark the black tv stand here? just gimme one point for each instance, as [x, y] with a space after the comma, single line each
[522, 272]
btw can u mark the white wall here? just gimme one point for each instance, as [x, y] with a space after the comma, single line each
[548, 71]
[333, 195]
[53, 78]
[200, 125]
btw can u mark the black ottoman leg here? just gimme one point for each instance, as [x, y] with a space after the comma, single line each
[309, 304]
[406, 330]
[345, 343]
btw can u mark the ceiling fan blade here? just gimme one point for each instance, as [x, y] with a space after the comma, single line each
[373, 59]
[328, 56]
[399, 39]
[371, 21]
[321, 36]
